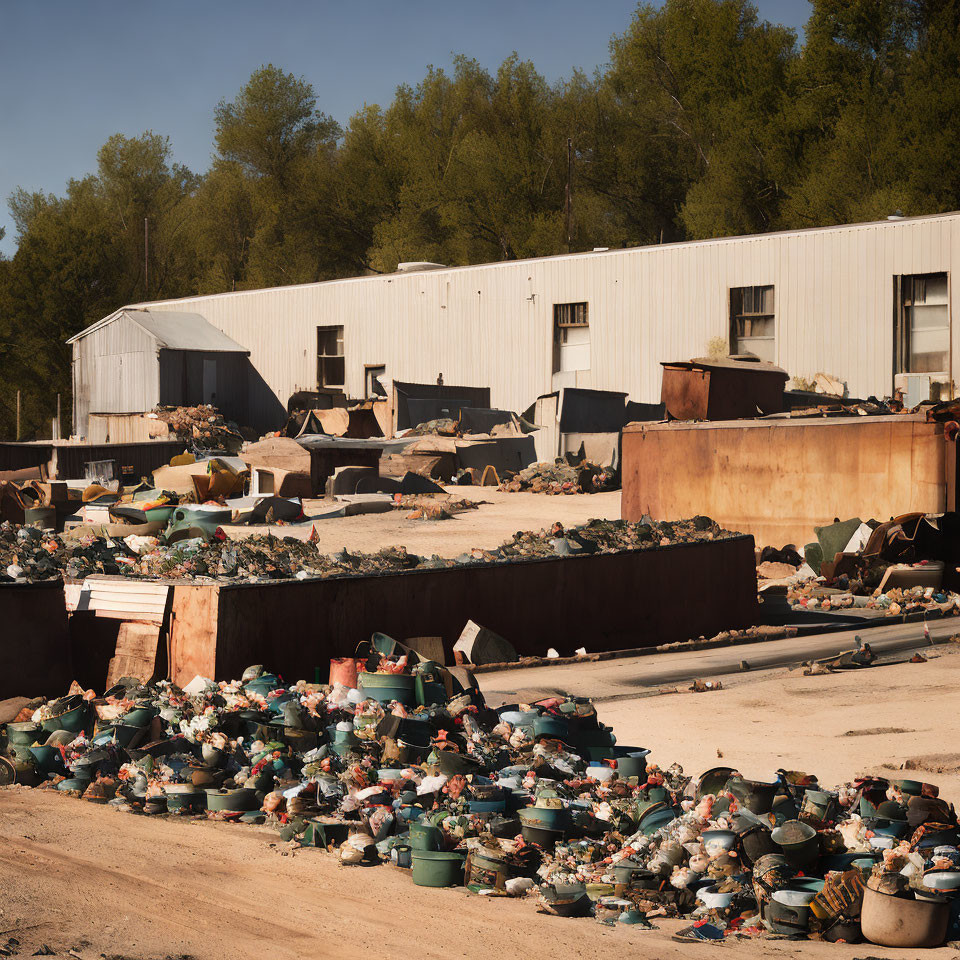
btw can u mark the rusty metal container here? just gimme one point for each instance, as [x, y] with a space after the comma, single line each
[722, 389]
[898, 922]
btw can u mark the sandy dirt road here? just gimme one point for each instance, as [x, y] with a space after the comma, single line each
[76, 875]
[497, 518]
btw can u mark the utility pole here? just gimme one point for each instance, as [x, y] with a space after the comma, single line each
[569, 198]
[146, 258]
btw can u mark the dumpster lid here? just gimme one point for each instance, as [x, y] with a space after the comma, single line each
[746, 363]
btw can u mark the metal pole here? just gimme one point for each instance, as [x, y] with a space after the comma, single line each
[569, 197]
[18, 414]
[146, 258]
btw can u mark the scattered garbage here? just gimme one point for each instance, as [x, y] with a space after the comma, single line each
[562, 477]
[201, 549]
[203, 425]
[405, 764]
[906, 566]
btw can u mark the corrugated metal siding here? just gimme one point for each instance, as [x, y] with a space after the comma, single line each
[181, 380]
[491, 325]
[115, 371]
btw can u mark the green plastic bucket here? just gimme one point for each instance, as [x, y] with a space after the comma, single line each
[24, 734]
[435, 868]
[384, 687]
[72, 720]
[425, 836]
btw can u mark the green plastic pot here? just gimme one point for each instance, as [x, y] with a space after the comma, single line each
[48, 760]
[386, 687]
[23, 734]
[185, 800]
[71, 720]
[545, 818]
[123, 733]
[425, 836]
[232, 801]
[434, 868]
[138, 716]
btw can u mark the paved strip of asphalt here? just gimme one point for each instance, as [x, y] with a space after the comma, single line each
[638, 676]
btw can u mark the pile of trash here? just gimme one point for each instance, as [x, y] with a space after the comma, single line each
[905, 566]
[29, 553]
[563, 477]
[399, 760]
[202, 425]
[444, 427]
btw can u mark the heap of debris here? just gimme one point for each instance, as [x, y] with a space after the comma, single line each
[400, 760]
[563, 477]
[202, 425]
[907, 565]
[28, 553]
[444, 427]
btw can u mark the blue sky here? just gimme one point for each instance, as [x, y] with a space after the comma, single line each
[73, 72]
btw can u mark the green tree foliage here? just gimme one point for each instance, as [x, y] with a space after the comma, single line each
[707, 121]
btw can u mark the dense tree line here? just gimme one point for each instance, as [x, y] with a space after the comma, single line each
[707, 121]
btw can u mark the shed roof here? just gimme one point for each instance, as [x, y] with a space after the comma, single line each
[173, 330]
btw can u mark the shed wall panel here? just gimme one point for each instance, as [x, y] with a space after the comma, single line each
[115, 371]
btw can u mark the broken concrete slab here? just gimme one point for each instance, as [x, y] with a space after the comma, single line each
[478, 645]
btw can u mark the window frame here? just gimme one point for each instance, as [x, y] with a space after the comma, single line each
[901, 324]
[367, 367]
[567, 316]
[735, 316]
[323, 381]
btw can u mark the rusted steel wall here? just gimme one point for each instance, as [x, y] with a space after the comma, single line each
[777, 479]
[603, 602]
[34, 642]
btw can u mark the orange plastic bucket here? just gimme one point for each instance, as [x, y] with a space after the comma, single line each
[344, 670]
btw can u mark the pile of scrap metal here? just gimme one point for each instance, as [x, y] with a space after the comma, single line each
[203, 426]
[907, 565]
[566, 475]
[198, 548]
[399, 759]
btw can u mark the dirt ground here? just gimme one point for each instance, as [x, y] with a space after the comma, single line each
[496, 519]
[76, 875]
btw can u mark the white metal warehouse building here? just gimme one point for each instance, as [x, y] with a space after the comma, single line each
[868, 303]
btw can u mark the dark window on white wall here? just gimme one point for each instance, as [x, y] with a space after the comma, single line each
[372, 385]
[330, 363]
[571, 337]
[922, 335]
[753, 322]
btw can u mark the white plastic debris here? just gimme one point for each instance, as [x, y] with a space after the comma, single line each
[139, 544]
[197, 686]
[431, 784]
[552, 654]
[518, 886]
